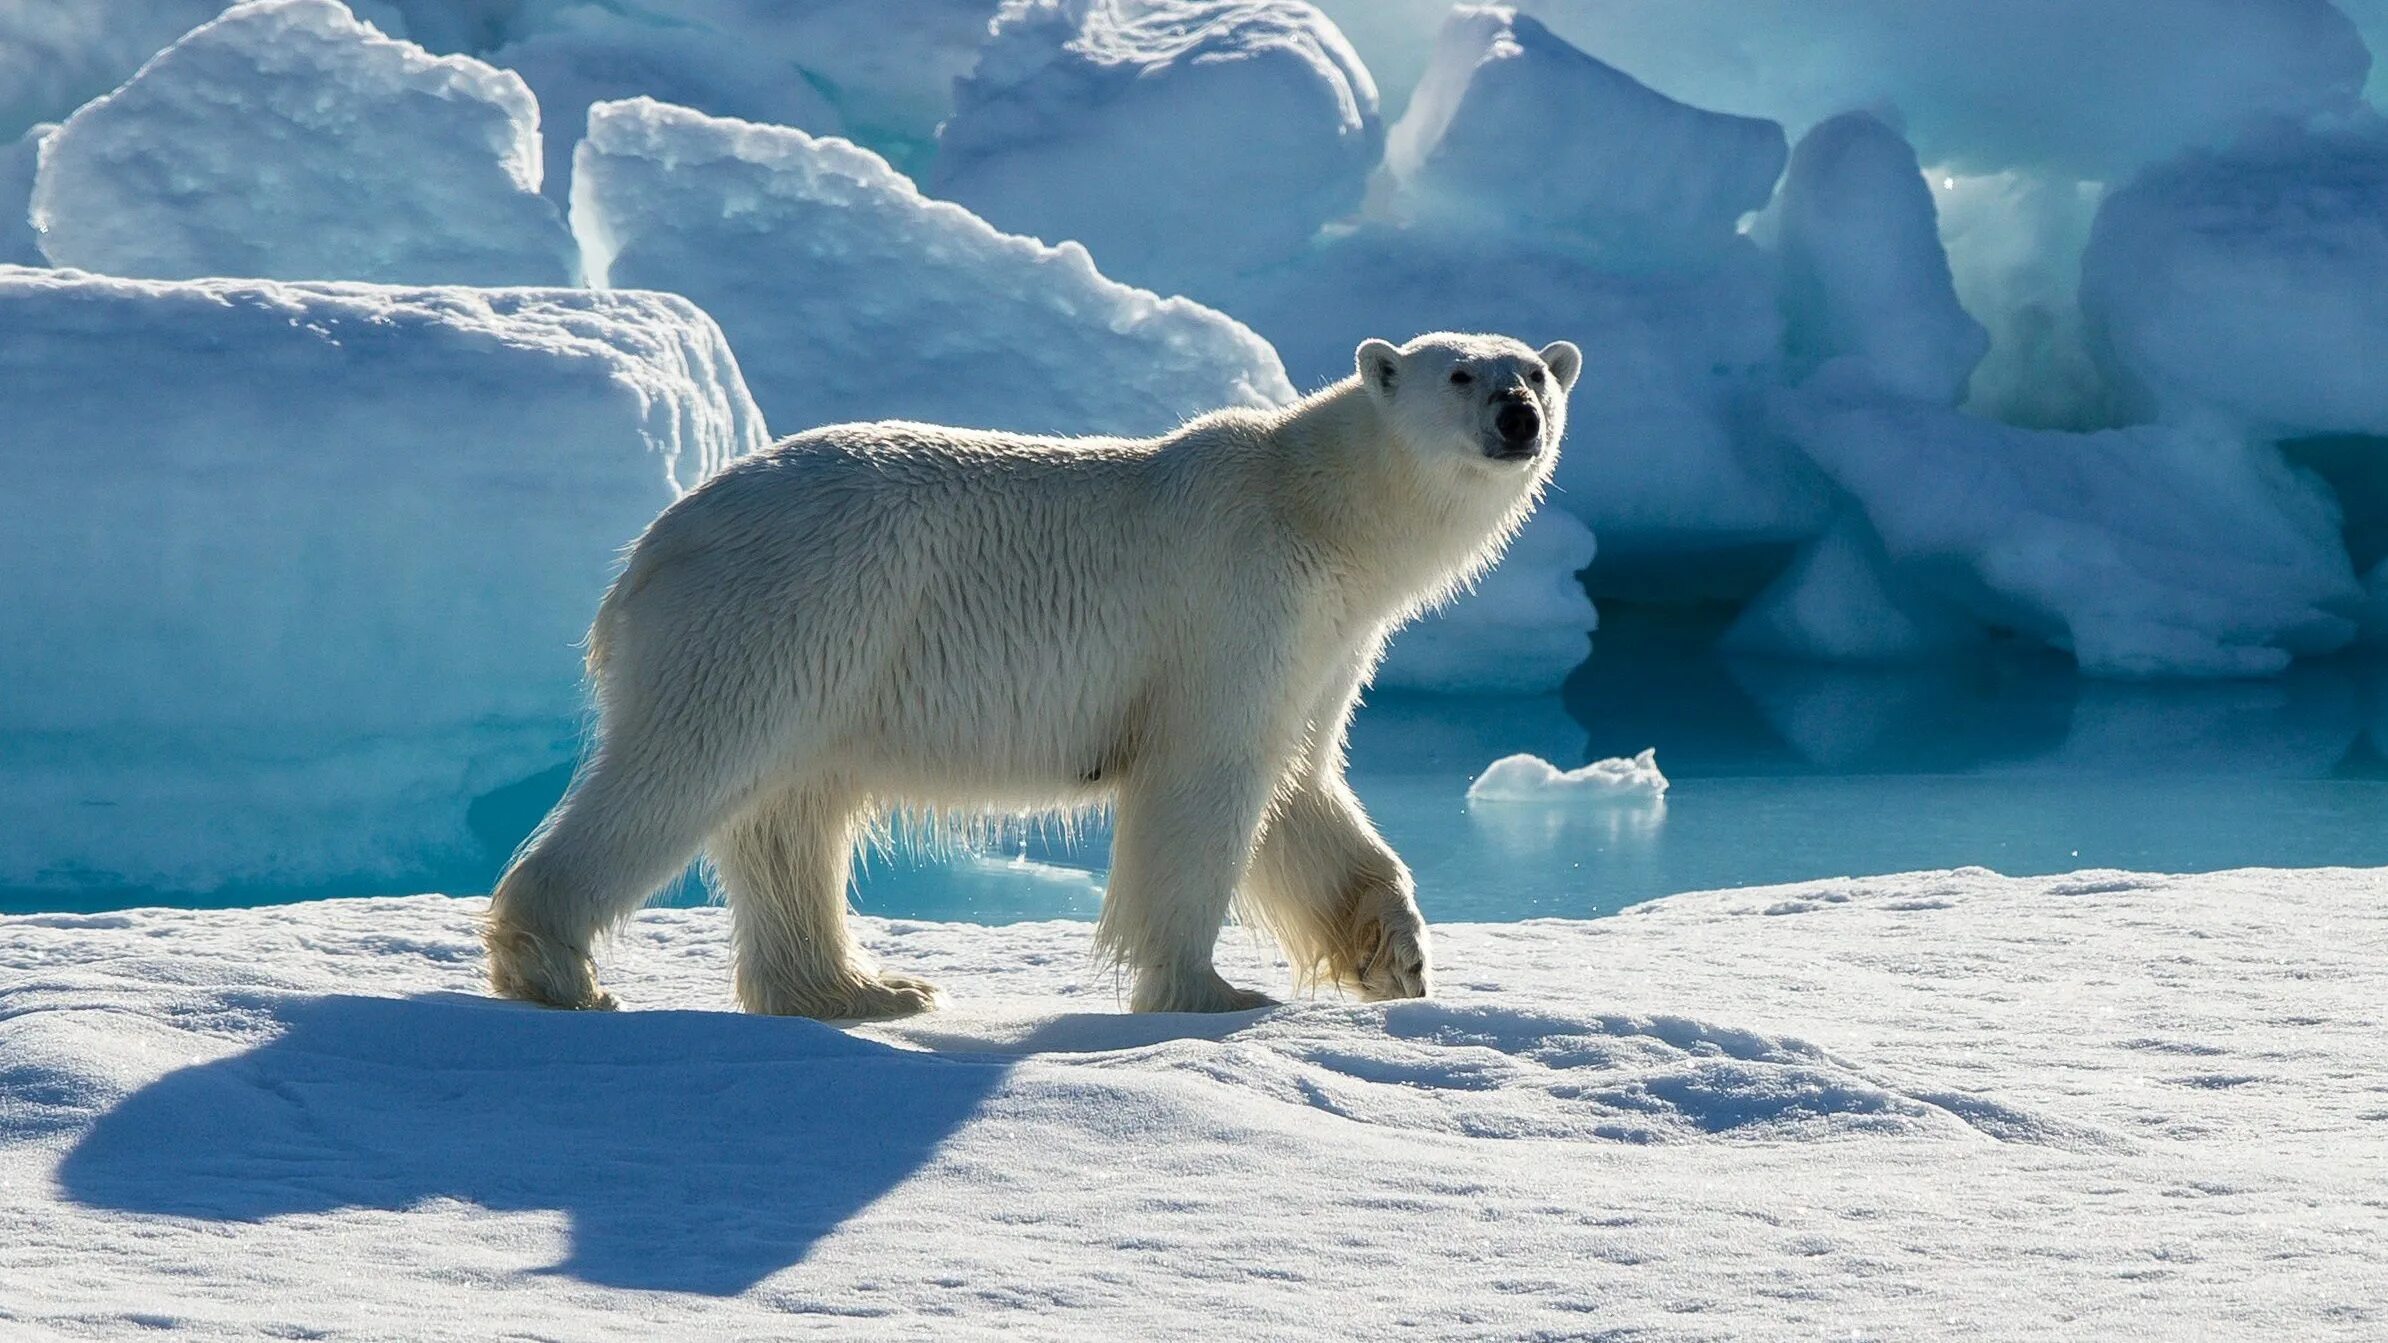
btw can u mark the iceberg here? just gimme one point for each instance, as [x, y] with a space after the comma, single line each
[19, 244]
[1523, 628]
[2082, 88]
[888, 66]
[303, 569]
[56, 55]
[1841, 601]
[588, 53]
[1512, 129]
[2146, 551]
[2250, 287]
[288, 140]
[1864, 277]
[851, 296]
[1530, 778]
[1176, 139]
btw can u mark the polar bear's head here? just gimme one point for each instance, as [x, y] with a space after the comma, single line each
[1489, 401]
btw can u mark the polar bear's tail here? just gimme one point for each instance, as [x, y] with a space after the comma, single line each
[601, 631]
[605, 631]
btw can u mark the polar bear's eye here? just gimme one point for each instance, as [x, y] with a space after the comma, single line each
[1534, 376]
[1460, 377]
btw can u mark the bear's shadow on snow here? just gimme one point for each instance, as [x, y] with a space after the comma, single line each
[692, 1151]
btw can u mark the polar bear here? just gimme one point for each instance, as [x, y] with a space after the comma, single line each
[897, 617]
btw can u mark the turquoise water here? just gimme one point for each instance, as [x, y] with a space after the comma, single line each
[1780, 773]
[1785, 773]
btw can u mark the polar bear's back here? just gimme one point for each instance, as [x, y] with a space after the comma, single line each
[948, 594]
[900, 504]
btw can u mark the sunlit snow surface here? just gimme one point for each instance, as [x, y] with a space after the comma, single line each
[1948, 1104]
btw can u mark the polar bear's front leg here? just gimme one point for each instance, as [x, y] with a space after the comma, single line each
[1180, 843]
[1389, 936]
[1337, 897]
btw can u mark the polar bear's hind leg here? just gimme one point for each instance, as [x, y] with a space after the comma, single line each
[783, 866]
[626, 827]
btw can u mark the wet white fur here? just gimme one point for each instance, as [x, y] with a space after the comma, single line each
[872, 618]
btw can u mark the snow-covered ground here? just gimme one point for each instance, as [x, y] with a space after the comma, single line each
[1948, 1105]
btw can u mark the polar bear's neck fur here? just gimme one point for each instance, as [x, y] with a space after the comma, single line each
[1404, 530]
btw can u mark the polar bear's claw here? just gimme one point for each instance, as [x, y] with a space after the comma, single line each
[1395, 966]
[1205, 991]
[540, 969]
[889, 996]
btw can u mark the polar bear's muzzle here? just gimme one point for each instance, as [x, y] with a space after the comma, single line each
[1517, 429]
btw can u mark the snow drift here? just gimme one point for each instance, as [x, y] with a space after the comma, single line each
[2032, 1107]
[309, 564]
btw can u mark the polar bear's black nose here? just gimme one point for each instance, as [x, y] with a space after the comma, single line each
[1518, 422]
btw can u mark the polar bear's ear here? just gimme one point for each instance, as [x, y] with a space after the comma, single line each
[1380, 366]
[1564, 361]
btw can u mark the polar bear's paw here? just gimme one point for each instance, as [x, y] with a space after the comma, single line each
[1393, 956]
[892, 996]
[857, 996]
[1203, 991]
[538, 969]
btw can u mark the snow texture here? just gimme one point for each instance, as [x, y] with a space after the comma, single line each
[1526, 625]
[1532, 779]
[286, 139]
[850, 296]
[1864, 276]
[2251, 286]
[1176, 139]
[19, 244]
[2147, 551]
[587, 53]
[329, 587]
[2099, 1105]
[2081, 88]
[1512, 128]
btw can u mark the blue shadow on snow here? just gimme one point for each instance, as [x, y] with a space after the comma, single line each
[692, 1151]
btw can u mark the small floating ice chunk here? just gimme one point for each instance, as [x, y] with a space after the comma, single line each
[1530, 778]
